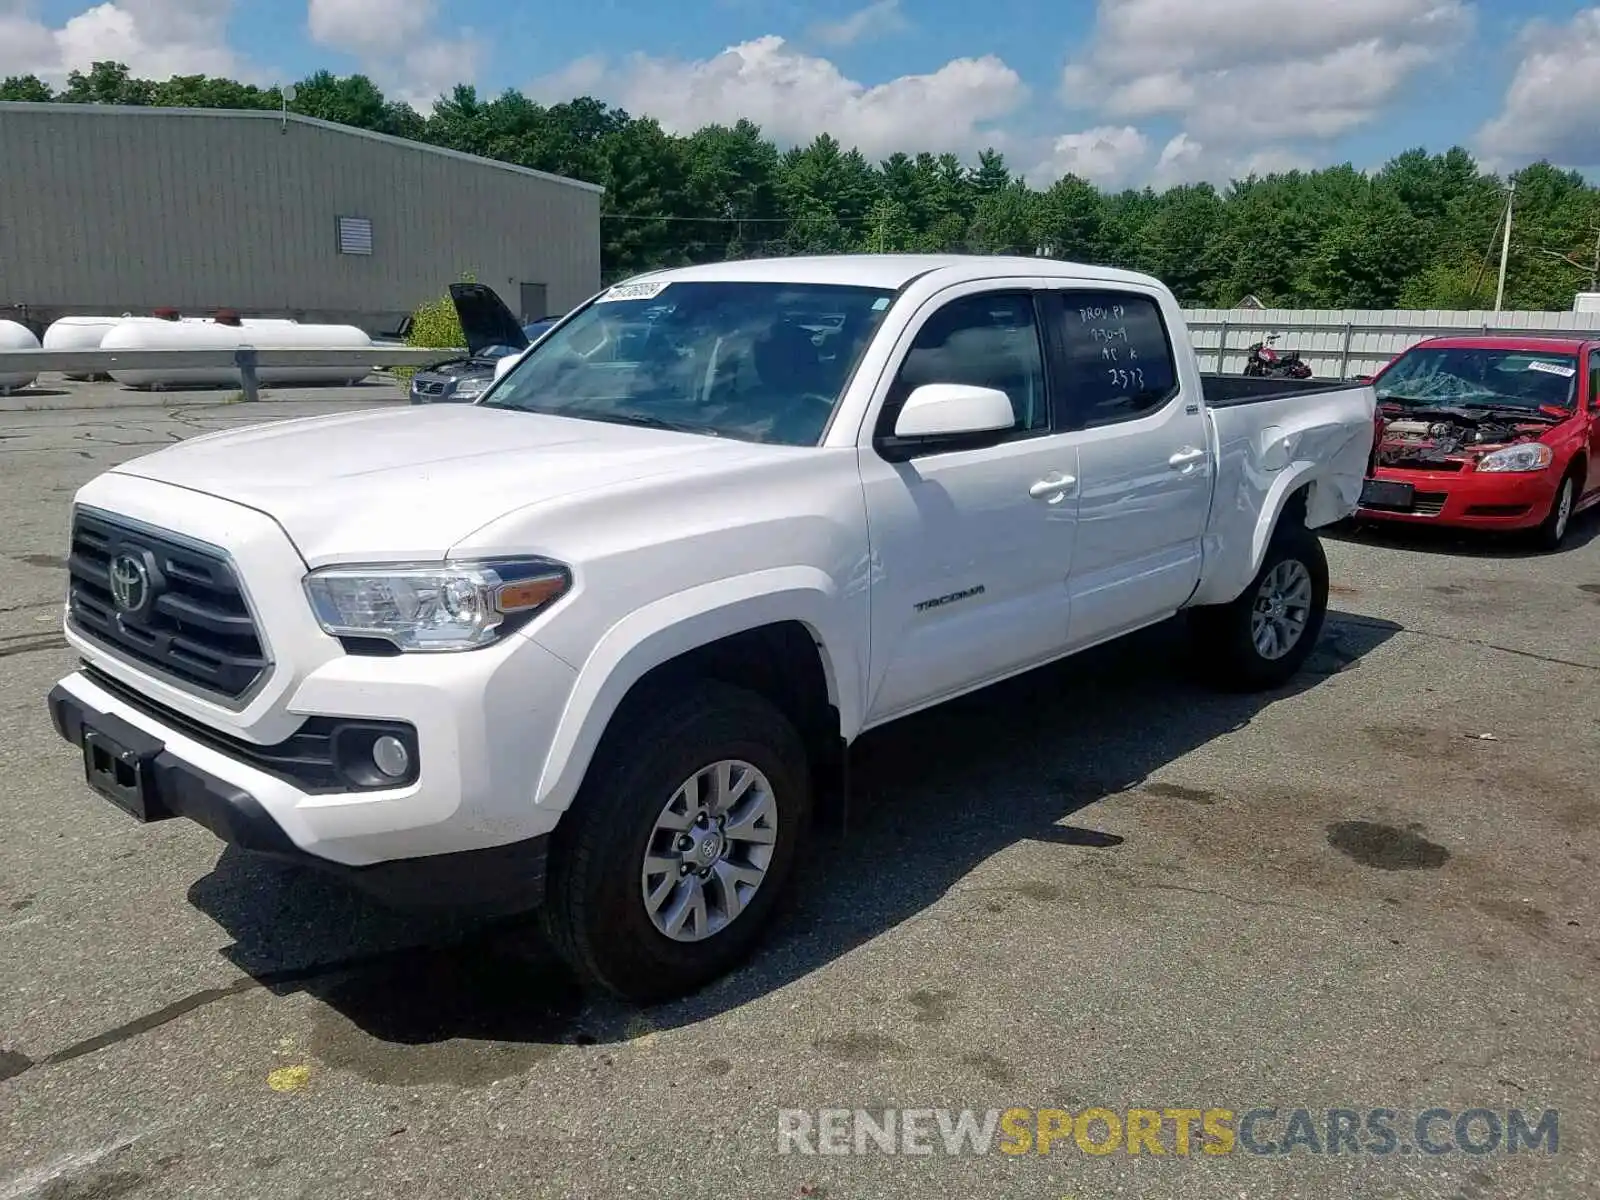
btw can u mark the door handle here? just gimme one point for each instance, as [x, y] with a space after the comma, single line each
[1186, 457]
[1052, 486]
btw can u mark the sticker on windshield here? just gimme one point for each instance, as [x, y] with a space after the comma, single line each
[645, 289]
[881, 303]
[1553, 369]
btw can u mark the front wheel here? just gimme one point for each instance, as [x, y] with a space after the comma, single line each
[1552, 531]
[668, 865]
[1260, 639]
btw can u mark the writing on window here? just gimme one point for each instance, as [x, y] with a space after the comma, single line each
[1118, 361]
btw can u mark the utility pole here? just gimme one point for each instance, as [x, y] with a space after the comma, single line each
[1505, 248]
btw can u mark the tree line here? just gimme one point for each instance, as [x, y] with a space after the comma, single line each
[1424, 231]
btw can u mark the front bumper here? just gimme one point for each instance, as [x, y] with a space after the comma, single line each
[156, 774]
[1508, 500]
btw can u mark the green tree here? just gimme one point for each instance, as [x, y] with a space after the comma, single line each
[106, 83]
[25, 87]
[354, 100]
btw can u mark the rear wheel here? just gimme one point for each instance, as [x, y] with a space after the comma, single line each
[1263, 637]
[670, 862]
[1553, 530]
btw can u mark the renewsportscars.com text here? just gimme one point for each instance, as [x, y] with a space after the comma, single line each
[1167, 1131]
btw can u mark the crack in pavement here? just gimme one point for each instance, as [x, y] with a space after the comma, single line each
[20, 1064]
[29, 605]
[34, 643]
[1469, 641]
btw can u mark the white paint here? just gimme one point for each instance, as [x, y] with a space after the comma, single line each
[15, 336]
[88, 332]
[154, 333]
[917, 581]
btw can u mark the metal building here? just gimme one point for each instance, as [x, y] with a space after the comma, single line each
[108, 209]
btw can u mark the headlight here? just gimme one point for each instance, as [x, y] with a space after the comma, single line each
[471, 389]
[451, 606]
[1529, 456]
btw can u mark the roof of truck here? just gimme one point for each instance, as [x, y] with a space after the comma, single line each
[891, 271]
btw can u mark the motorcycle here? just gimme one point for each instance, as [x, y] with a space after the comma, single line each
[1263, 361]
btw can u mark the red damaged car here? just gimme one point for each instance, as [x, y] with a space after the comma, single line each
[1488, 433]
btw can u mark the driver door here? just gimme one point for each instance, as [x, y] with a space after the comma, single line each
[970, 548]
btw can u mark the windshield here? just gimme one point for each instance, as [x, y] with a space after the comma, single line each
[763, 362]
[1480, 378]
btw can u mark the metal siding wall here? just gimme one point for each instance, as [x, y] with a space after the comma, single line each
[117, 211]
[1373, 336]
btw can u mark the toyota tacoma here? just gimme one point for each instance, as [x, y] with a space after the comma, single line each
[592, 644]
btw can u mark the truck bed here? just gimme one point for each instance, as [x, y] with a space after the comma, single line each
[1223, 391]
[1271, 437]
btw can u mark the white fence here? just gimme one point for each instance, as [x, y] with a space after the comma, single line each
[1340, 343]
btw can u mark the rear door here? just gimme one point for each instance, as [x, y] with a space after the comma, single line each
[1144, 459]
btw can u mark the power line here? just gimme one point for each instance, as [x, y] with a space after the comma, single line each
[615, 216]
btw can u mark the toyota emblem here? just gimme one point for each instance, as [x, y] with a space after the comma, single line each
[130, 582]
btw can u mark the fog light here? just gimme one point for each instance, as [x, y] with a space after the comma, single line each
[389, 755]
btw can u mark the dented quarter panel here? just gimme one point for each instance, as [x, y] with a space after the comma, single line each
[1265, 453]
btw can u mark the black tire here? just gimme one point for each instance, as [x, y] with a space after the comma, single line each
[1221, 635]
[594, 913]
[1553, 530]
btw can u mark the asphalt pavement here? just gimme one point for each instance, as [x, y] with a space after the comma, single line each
[1100, 886]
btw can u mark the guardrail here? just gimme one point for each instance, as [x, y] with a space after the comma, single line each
[247, 360]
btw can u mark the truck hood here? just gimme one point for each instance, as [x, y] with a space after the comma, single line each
[409, 483]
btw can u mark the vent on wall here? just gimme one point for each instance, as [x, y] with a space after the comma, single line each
[355, 235]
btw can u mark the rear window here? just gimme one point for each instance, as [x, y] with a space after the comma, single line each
[1117, 359]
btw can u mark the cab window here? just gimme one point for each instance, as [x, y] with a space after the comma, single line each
[1116, 358]
[987, 340]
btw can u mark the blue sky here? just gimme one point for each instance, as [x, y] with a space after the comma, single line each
[1123, 91]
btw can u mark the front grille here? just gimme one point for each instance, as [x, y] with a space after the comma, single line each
[183, 615]
[428, 387]
[1428, 504]
[1423, 464]
[1497, 510]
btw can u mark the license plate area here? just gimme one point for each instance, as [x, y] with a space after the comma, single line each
[120, 774]
[1386, 493]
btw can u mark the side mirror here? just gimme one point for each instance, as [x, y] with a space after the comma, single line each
[502, 365]
[948, 416]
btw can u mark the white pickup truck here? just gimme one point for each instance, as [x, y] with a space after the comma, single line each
[588, 644]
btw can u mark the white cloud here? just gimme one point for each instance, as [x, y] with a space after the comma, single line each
[1238, 72]
[157, 39]
[794, 96]
[878, 19]
[369, 26]
[1186, 160]
[1110, 156]
[1114, 157]
[399, 44]
[1552, 108]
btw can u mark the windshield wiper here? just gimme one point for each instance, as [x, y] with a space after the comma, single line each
[1531, 413]
[644, 420]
